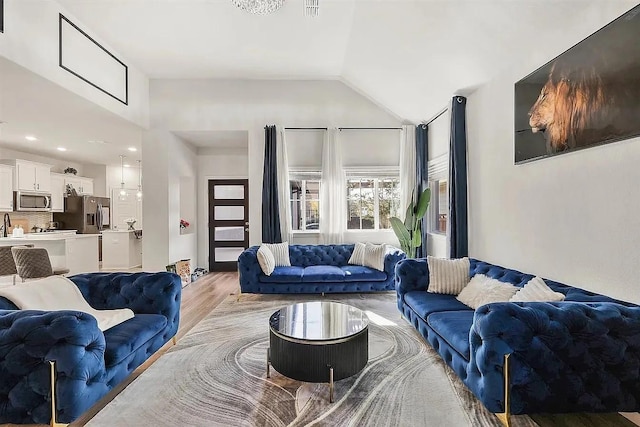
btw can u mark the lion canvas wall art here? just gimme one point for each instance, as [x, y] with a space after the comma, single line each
[587, 96]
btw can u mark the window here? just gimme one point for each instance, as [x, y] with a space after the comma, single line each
[305, 204]
[371, 202]
[438, 212]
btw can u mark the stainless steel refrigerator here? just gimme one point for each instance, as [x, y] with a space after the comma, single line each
[87, 214]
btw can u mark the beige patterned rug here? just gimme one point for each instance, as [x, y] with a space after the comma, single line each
[216, 376]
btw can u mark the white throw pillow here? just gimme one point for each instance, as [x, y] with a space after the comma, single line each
[536, 290]
[448, 276]
[472, 294]
[280, 253]
[357, 257]
[266, 260]
[374, 256]
[485, 290]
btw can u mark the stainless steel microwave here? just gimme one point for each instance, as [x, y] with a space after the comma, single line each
[31, 202]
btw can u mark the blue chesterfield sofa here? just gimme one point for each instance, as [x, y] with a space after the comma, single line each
[579, 355]
[316, 269]
[88, 362]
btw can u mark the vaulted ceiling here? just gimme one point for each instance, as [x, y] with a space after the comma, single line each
[408, 56]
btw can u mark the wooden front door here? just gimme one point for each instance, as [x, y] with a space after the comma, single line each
[228, 222]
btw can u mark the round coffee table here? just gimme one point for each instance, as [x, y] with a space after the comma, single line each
[318, 342]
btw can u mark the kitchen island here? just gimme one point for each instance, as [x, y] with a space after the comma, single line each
[121, 249]
[77, 252]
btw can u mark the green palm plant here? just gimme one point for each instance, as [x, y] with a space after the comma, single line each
[409, 232]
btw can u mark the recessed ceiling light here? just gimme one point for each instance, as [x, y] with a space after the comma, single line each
[133, 149]
[30, 138]
[127, 165]
[97, 141]
[62, 149]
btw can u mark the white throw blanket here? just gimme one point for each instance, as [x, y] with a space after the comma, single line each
[59, 293]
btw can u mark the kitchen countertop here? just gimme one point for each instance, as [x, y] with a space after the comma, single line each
[119, 231]
[46, 237]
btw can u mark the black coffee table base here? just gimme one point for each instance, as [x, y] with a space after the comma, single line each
[318, 361]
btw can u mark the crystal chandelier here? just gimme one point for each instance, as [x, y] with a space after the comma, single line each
[259, 7]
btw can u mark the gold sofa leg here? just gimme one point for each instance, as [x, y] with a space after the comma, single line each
[505, 417]
[239, 295]
[175, 340]
[54, 423]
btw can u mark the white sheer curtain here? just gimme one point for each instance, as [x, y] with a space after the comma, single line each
[284, 203]
[407, 166]
[333, 191]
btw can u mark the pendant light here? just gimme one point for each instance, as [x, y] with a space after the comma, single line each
[139, 193]
[123, 192]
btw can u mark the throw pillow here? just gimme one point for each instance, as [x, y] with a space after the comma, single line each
[485, 290]
[374, 256]
[447, 276]
[472, 294]
[266, 260]
[280, 253]
[536, 290]
[357, 257]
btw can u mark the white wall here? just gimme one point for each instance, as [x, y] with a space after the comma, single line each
[31, 39]
[220, 163]
[248, 105]
[572, 218]
[169, 160]
[99, 175]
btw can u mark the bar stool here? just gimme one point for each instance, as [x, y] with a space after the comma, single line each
[34, 263]
[7, 264]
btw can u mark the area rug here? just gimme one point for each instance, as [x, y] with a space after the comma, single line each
[216, 376]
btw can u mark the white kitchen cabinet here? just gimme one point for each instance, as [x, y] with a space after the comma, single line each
[30, 176]
[83, 186]
[6, 188]
[121, 250]
[57, 192]
[86, 186]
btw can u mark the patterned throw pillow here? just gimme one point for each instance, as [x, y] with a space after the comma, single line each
[374, 256]
[266, 260]
[536, 290]
[357, 257]
[280, 253]
[448, 276]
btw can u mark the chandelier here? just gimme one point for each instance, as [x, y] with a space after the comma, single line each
[258, 7]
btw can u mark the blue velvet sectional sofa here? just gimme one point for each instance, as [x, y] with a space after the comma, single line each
[88, 362]
[316, 269]
[579, 355]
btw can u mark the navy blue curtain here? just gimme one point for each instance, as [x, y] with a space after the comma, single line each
[459, 240]
[270, 208]
[422, 179]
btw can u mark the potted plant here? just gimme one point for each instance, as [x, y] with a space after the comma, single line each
[409, 232]
[70, 170]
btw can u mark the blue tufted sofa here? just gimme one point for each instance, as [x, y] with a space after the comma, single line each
[316, 269]
[89, 362]
[579, 355]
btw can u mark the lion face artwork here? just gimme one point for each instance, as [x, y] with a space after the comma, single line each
[578, 107]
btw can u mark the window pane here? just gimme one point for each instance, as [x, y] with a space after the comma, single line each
[313, 190]
[296, 215]
[353, 208]
[388, 201]
[443, 205]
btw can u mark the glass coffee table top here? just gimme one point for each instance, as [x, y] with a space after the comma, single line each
[318, 321]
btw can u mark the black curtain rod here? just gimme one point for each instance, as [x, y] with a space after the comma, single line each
[305, 128]
[441, 112]
[370, 128]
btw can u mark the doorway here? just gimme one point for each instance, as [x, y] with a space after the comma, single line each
[228, 222]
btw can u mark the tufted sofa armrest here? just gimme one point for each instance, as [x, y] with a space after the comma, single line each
[411, 275]
[144, 293]
[28, 340]
[566, 356]
[248, 268]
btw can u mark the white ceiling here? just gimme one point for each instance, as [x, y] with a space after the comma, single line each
[32, 105]
[408, 56]
[216, 139]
